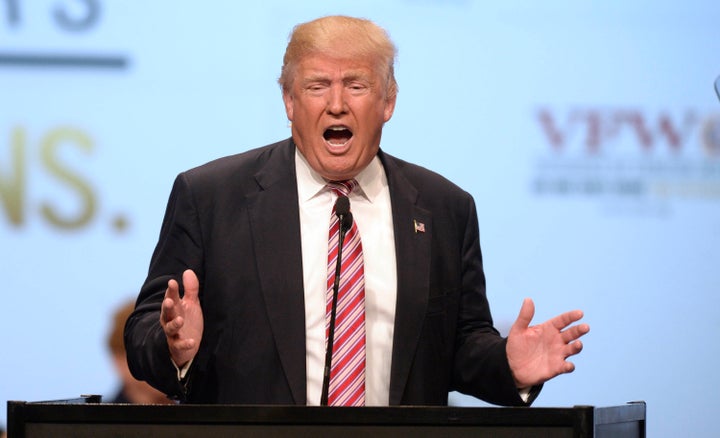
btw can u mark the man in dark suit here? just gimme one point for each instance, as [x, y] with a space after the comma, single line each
[233, 309]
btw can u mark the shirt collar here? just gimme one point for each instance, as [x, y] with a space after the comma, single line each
[371, 179]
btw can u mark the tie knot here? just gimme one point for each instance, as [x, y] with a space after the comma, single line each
[343, 187]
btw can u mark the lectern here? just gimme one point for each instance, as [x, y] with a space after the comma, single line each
[87, 417]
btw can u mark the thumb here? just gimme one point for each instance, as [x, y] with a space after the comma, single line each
[527, 312]
[191, 285]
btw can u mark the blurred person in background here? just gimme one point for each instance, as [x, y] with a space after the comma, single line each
[131, 390]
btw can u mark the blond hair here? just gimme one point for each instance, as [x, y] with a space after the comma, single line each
[326, 35]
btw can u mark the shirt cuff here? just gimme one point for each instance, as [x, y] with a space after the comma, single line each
[182, 372]
[524, 393]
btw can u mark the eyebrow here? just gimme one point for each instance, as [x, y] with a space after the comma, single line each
[352, 75]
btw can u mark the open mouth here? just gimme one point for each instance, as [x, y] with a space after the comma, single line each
[337, 135]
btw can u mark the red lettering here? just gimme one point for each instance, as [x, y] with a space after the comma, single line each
[601, 127]
[676, 137]
[597, 128]
[553, 134]
[636, 122]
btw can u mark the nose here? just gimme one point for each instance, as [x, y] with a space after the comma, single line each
[336, 100]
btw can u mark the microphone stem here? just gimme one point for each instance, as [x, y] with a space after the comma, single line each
[333, 311]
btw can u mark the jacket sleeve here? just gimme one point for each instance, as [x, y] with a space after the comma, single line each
[480, 365]
[178, 248]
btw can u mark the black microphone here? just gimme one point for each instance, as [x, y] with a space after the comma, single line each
[345, 219]
[342, 207]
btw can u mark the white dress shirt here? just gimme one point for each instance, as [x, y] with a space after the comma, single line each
[371, 209]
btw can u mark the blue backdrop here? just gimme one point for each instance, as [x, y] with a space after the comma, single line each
[588, 133]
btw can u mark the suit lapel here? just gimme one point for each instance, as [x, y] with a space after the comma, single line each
[412, 252]
[279, 263]
[275, 223]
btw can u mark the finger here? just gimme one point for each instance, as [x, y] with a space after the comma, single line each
[183, 344]
[565, 319]
[191, 285]
[568, 367]
[574, 332]
[173, 326]
[527, 311]
[168, 309]
[173, 290]
[573, 348]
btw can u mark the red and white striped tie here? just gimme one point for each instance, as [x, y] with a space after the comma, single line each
[347, 373]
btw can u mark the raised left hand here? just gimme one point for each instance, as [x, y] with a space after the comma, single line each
[538, 353]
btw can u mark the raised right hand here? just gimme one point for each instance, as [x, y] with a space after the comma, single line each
[182, 319]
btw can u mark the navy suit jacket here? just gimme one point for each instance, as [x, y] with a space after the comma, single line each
[235, 222]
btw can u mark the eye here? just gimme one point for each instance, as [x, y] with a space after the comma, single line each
[316, 87]
[357, 87]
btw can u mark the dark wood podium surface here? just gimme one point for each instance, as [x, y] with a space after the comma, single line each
[86, 417]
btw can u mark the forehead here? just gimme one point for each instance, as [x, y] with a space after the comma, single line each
[334, 66]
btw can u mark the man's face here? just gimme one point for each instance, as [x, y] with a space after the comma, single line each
[337, 108]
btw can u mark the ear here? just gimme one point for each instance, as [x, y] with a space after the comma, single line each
[390, 107]
[288, 100]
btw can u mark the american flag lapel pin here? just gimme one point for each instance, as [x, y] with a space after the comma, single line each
[419, 226]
